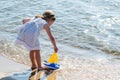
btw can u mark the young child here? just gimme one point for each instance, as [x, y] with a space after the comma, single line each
[28, 36]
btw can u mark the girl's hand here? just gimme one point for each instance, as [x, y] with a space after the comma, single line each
[25, 20]
[55, 49]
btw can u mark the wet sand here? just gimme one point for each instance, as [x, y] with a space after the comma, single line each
[9, 67]
[84, 69]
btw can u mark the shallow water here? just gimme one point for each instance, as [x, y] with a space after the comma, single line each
[92, 24]
[84, 30]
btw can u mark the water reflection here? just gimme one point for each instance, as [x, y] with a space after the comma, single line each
[52, 76]
[43, 75]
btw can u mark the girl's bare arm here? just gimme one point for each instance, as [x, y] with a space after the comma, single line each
[47, 28]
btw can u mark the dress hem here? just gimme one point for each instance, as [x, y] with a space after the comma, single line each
[25, 45]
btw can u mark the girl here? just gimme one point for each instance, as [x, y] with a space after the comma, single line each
[28, 36]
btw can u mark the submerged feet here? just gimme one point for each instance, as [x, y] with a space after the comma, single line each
[36, 72]
[34, 69]
[43, 68]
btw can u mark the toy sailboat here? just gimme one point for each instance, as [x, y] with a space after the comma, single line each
[52, 62]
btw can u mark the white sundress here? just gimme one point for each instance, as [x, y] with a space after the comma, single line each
[29, 33]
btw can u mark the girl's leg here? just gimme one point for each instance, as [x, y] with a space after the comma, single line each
[34, 65]
[38, 58]
[33, 59]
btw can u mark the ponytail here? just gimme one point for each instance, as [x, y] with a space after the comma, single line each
[48, 14]
[39, 16]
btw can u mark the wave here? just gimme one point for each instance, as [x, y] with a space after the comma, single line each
[11, 51]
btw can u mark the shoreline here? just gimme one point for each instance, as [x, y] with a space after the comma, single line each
[99, 68]
[9, 67]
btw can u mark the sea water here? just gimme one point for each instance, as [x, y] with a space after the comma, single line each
[87, 32]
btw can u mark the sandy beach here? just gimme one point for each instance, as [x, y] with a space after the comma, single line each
[10, 70]
[85, 70]
[9, 67]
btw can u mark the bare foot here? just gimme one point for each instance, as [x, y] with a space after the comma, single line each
[43, 68]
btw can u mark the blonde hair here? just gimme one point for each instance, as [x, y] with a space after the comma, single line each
[48, 14]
